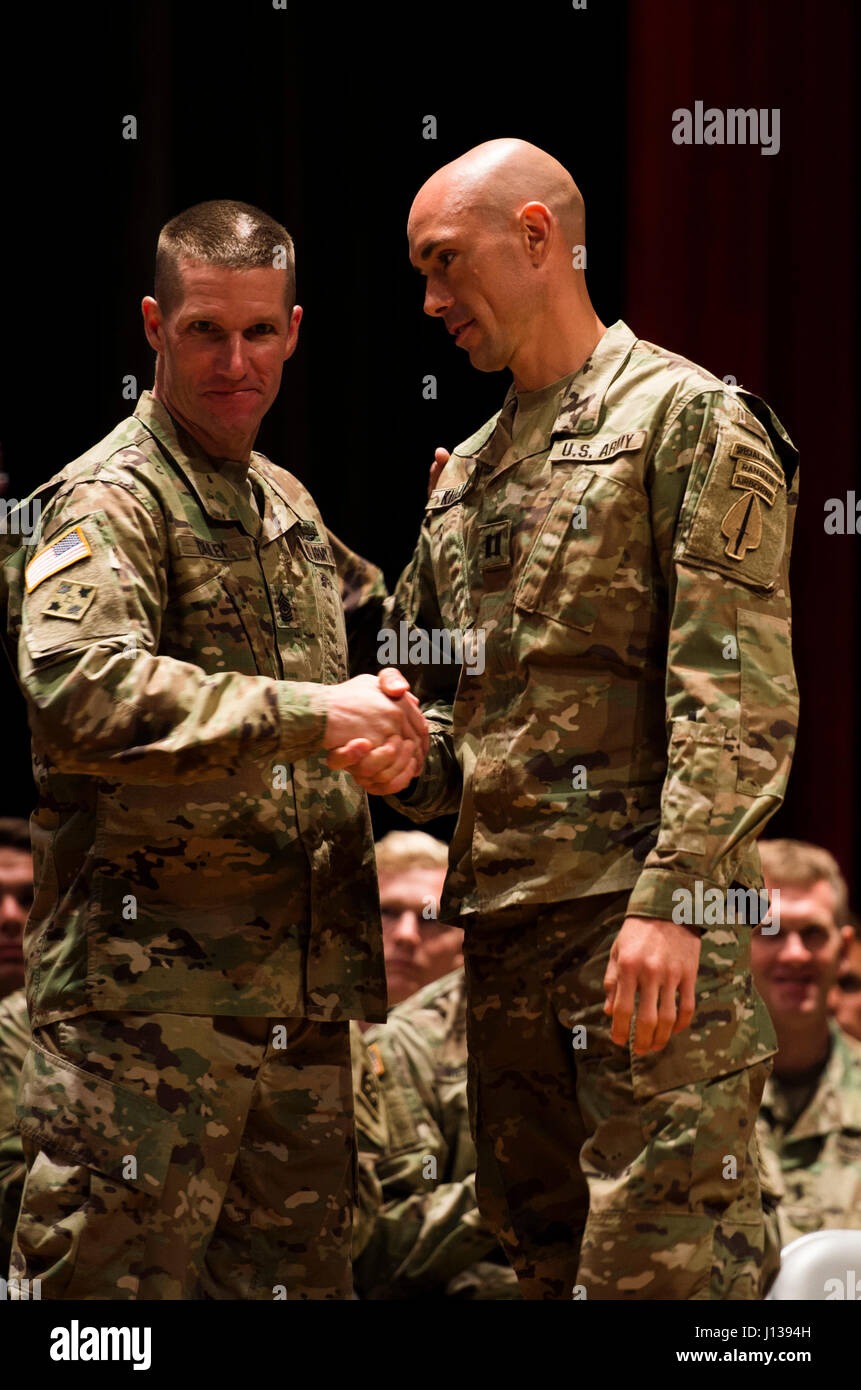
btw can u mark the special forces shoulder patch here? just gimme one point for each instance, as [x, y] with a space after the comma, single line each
[739, 522]
[65, 550]
[756, 476]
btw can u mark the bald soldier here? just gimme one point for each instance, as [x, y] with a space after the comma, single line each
[615, 541]
[206, 918]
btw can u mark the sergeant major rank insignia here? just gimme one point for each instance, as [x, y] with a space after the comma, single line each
[757, 477]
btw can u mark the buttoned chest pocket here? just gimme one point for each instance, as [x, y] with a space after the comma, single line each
[216, 614]
[592, 532]
[310, 628]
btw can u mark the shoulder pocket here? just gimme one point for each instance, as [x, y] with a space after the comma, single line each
[79, 599]
[739, 520]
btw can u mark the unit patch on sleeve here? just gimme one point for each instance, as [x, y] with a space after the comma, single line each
[65, 550]
[70, 601]
[739, 519]
[757, 477]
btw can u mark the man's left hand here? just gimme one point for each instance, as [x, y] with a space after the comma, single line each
[655, 958]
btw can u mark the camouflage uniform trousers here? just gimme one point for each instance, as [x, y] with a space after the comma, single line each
[177, 1157]
[604, 1174]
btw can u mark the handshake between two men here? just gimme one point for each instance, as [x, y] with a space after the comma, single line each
[376, 730]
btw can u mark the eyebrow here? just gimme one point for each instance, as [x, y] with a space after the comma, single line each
[204, 317]
[429, 248]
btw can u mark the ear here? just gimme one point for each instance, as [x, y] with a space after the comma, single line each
[153, 323]
[536, 226]
[847, 936]
[293, 331]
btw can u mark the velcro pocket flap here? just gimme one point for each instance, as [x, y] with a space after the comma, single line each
[94, 1121]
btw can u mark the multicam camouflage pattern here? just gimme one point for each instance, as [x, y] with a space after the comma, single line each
[635, 719]
[418, 1230]
[665, 1201]
[14, 1041]
[813, 1159]
[175, 1157]
[193, 853]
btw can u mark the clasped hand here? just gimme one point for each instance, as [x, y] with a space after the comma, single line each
[376, 731]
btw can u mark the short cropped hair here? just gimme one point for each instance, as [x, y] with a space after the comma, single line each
[15, 834]
[402, 850]
[798, 864]
[224, 233]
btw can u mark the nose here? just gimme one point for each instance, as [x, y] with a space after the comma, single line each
[437, 298]
[793, 950]
[407, 929]
[12, 917]
[233, 358]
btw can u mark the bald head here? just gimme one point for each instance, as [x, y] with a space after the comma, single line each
[498, 178]
[499, 234]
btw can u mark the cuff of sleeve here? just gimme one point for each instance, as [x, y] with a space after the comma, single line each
[408, 792]
[653, 895]
[303, 717]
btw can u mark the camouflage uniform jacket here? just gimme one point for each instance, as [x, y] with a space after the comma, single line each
[423, 1236]
[626, 572]
[813, 1163]
[193, 853]
[14, 1041]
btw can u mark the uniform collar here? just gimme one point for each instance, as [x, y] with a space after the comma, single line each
[836, 1103]
[580, 410]
[220, 495]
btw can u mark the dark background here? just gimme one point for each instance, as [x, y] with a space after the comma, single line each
[740, 260]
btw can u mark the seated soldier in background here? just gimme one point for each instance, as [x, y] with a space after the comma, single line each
[418, 1231]
[16, 895]
[845, 997]
[809, 1124]
[411, 868]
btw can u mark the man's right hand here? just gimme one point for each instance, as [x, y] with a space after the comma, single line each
[376, 714]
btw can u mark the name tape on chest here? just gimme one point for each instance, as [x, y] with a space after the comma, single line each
[444, 496]
[65, 550]
[594, 450]
[317, 551]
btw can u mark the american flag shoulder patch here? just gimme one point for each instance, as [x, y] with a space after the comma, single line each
[65, 550]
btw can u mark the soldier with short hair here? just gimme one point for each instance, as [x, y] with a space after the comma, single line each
[206, 919]
[616, 541]
[418, 946]
[419, 1233]
[810, 1121]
